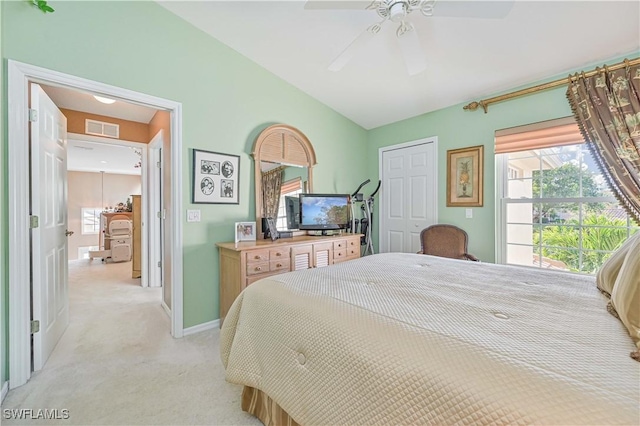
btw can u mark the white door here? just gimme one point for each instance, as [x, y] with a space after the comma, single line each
[410, 196]
[155, 211]
[48, 239]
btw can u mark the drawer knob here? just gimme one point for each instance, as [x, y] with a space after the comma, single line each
[258, 268]
[257, 256]
[278, 254]
[278, 265]
[339, 254]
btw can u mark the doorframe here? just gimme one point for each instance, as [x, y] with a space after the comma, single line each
[154, 206]
[20, 75]
[381, 151]
[144, 198]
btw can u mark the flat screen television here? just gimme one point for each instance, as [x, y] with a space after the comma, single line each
[321, 212]
[292, 210]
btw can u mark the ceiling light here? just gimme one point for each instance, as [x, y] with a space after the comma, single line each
[104, 100]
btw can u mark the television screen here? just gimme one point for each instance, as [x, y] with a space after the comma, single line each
[324, 211]
[292, 209]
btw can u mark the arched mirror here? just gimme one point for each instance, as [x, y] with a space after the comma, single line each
[284, 160]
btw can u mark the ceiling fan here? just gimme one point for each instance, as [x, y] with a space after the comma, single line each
[397, 11]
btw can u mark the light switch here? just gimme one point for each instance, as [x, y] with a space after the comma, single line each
[469, 213]
[193, 215]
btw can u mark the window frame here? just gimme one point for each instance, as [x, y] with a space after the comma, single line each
[82, 218]
[502, 203]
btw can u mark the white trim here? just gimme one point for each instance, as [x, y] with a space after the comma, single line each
[5, 390]
[19, 273]
[382, 150]
[501, 209]
[202, 327]
[166, 309]
[19, 77]
[153, 207]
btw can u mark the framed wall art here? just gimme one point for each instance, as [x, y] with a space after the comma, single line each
[465, 176]
[215, 178]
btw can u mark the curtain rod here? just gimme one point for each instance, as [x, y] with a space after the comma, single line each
[540, 87]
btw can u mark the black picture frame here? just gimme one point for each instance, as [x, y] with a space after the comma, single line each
[215, 178]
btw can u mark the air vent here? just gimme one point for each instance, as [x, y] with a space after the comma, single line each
[100, 128]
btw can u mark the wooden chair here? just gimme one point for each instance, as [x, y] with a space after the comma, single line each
[445, 241]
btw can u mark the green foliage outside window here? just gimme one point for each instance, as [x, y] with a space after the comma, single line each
[608, 236]
[563, 182]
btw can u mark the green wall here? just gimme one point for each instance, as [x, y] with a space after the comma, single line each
[227, 100]
[456, 128]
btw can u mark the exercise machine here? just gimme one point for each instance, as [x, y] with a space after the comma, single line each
[363, 225]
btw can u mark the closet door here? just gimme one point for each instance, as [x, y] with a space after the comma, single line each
[409, 194]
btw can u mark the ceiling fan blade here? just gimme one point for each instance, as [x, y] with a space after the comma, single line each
[472, 9]
[352, 48]
[411, 50]
[336, 4]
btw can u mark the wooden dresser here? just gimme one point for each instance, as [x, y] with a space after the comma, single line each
[244, 263]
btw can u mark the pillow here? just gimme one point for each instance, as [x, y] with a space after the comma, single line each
[608, 272]
[626, 291]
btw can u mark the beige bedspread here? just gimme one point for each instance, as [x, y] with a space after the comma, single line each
[413, 339]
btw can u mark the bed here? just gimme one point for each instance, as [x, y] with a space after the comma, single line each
[414, 339]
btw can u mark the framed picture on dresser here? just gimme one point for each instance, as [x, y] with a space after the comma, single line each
[245, 231]
[215, 178]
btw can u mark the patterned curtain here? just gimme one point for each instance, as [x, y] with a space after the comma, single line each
[271, 185]
[607, 109]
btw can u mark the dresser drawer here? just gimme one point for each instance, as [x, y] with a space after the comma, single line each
[279, 253]
[256, 256]
[353, 252]
[279, 265]
[338, 245]
[339, 254]
[253, 278]
[257, 268]
[353, 243]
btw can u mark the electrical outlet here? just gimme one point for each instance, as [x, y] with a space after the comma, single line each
[469, 214]
[193, 215]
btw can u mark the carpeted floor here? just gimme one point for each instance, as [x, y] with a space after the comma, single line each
[118, 364]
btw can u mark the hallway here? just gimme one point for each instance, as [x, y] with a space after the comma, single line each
[118, 364]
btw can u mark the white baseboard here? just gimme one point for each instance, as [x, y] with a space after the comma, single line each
[166, 308]
[5, 389]
[201, 327]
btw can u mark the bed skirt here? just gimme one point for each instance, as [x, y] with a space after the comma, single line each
[259, 404]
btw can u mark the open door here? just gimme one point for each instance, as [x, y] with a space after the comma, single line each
[49, 237]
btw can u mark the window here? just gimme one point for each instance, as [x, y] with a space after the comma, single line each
[291, 187]
[556, 210]
[91, 220]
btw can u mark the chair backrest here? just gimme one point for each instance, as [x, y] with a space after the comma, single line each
[444, 241]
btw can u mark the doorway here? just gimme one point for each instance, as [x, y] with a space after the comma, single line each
[409, 202]
[20, 76]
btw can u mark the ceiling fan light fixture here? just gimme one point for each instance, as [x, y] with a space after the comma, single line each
[398, 11]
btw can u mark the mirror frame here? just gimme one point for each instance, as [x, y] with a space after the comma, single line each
[288, 146]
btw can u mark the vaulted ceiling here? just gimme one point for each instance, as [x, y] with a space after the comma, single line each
[467, 58]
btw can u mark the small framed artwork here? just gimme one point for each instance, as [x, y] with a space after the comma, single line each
[273, 230]
[245, 231]
[465, 175]
[215, 178]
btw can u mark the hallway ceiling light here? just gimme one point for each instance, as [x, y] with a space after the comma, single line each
[104, 100]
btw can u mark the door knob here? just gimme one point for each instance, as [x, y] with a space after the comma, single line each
[67, 232]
